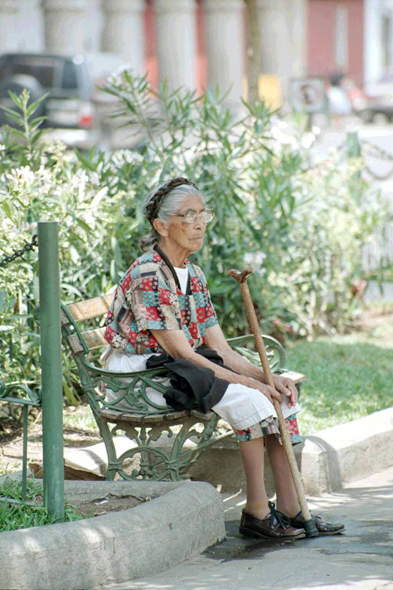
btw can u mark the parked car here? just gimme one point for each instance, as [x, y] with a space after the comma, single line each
[378, 109]
[379, 100]
[77, 112]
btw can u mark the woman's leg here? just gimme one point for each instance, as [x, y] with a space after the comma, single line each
[252, 453]
[287, 501]
[258, 518]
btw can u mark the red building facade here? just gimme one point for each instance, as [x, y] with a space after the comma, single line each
[335, 40]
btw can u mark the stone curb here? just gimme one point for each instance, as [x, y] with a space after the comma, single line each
[115, 547]
[337, 456]
[125, 545]
[327, 460]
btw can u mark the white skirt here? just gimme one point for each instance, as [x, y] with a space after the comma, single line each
[240, 406]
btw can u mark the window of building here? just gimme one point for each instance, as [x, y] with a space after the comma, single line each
[69, 78]
[387, 41]
[341, 38]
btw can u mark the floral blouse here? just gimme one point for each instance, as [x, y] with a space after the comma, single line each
[149, 298]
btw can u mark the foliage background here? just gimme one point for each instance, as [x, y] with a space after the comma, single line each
[301, 223]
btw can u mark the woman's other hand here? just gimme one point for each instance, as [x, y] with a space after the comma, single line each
[286, 387]
[268, 391]
[253, 375]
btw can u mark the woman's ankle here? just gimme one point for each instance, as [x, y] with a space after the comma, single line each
[290, 510]
[259, 511]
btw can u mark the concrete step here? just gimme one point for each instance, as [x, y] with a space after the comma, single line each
[327, 460]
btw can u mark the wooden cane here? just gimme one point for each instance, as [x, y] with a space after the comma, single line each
[241, 278]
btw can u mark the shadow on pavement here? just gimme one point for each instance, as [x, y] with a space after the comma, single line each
[360, 559]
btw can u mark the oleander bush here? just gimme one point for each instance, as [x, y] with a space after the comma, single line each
[300, 223]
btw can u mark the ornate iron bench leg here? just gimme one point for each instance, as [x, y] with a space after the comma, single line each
[150, 461]
[113, 463]
[182, 458]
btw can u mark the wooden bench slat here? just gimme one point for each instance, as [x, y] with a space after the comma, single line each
[91, 308]
[93, 338]
[294, 375]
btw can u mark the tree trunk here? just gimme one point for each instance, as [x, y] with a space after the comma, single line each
[253, 50]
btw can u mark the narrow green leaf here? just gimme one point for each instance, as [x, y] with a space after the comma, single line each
[34, 105]
[15, 118]
[7, 209]
[84, 225]
[16, 99]
[84, 161]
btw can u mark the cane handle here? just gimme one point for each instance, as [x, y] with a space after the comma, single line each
[240, 277]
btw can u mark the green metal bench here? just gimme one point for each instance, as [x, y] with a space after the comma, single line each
[29, 398]
[144, 423]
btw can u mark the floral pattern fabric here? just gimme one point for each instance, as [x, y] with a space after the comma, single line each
[270, 426]
[148, 298]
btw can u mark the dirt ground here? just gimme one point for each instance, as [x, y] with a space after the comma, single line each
[11, 449]
[11, 460]
[377, 324]
[103, 506]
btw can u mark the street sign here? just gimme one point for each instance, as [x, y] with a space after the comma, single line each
[307, 95]
[269, 90]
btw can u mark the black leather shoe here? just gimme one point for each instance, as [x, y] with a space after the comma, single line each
[323, 527]
[274, 526]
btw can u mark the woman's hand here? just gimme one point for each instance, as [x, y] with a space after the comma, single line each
[286, 386]
[175, 343]
[268, 391]
[253, 375]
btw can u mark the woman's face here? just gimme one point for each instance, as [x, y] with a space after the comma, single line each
[187, 236]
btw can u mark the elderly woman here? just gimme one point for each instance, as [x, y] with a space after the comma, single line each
[163, 307]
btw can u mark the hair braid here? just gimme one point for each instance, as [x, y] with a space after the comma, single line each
[157, 206]
[153, 206]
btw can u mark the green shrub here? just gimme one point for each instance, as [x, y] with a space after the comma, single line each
[302, 227]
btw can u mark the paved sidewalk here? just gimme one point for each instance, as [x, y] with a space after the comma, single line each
[360, 559]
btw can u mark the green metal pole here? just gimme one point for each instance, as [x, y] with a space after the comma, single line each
[354, 149]
[24, 464]
[52, 391]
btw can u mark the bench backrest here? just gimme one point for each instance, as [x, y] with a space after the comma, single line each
[85, 341]
[83, 311]
[91, 308]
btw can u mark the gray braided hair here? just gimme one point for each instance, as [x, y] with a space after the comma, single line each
[162, 202]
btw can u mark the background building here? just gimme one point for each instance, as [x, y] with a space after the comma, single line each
[196, 43]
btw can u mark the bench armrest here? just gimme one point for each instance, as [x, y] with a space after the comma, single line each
[294, 375]
[146, 373]
[274, 350]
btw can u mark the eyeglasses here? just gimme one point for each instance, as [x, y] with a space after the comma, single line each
[191, 216]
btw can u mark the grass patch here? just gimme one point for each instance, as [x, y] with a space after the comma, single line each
[80, 417]
[9, 468]
[14, 516]
[346, 379]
